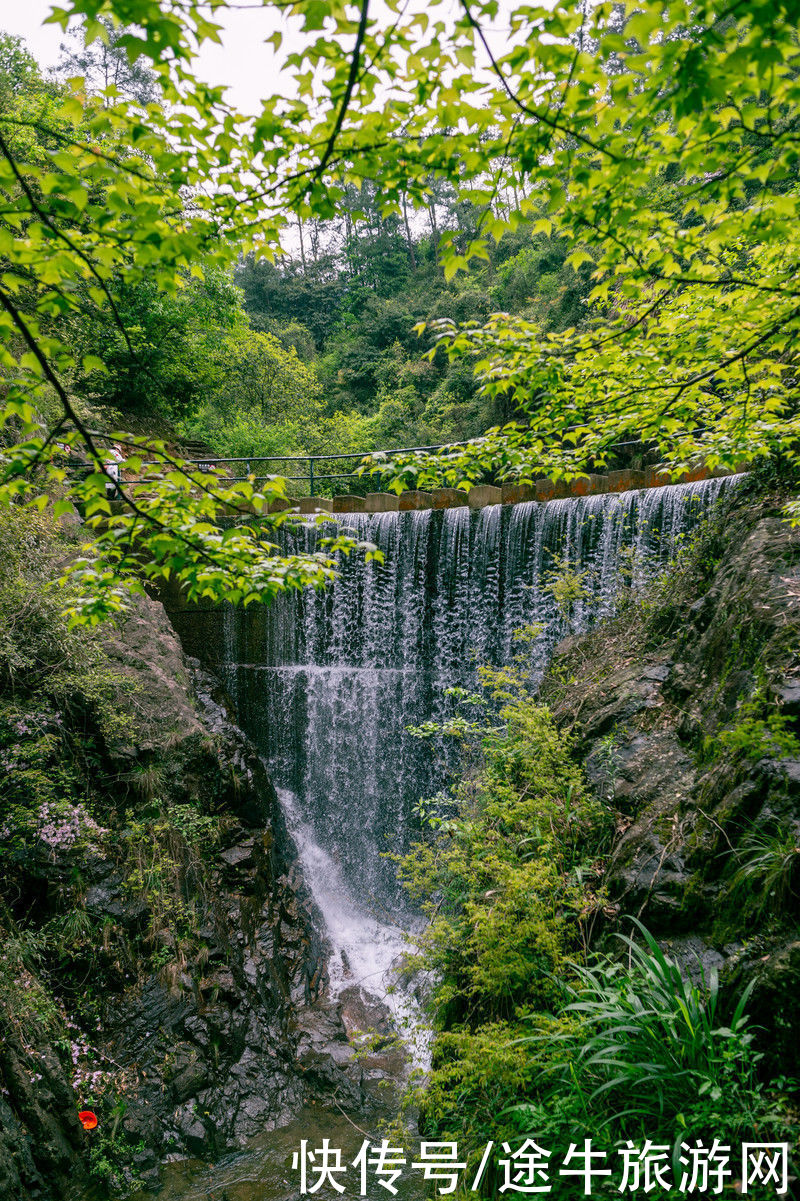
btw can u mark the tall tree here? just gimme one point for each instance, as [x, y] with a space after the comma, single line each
[97, 209]
[105, 62]
[19, 71]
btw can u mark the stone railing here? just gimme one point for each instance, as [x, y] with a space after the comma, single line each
[487, 494]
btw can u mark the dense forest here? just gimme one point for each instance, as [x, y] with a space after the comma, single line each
[359, 304]
[468, 820]
[315, 353]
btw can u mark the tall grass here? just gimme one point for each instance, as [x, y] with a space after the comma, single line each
[768, 873]
[650, 1041]
[645, 1051]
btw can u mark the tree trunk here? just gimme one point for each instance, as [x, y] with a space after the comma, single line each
[302, 246]
[411, 254]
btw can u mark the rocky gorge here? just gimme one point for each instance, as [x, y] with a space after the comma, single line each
[190, 1003]
[686, 715]
[188, 1007]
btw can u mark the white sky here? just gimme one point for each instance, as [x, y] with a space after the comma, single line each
[244, 63]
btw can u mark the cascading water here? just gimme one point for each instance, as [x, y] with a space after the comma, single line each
[329, 685]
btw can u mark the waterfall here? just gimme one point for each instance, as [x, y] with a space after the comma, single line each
[327, 682]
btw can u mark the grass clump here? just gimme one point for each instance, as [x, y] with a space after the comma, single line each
[651, 1047]
[767, 873]
[759, 730]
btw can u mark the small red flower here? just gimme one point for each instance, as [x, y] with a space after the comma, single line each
[87, 1119]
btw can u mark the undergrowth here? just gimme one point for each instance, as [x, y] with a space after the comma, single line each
[541, 1035]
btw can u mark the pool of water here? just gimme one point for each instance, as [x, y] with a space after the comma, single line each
[263, 1171]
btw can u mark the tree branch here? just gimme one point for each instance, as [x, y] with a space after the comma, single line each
[550, 122]
[69, 410]
[348, 91]
[59, 233]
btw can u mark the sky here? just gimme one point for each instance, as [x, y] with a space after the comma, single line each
[243, 63]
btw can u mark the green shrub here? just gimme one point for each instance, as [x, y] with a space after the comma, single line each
[506, 865]
[538, 1035]
[759, 731]
[767, 873]
[651, 1050]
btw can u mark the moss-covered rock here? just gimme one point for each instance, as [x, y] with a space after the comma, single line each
[162, 960]
[685, 710]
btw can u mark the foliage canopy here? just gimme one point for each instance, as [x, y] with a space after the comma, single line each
[659, 139]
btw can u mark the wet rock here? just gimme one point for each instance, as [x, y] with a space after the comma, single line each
[241, 855]
[194, 1135]
[362, 1013]
[772, 965]
[197, 1030]
[106, 900]
[647, 710]
[40, 1136]
[700, 613]
[188, 1073]
[696, 958]
[222, 985]
[787, 694]
[659, 672]
[782, 770]
[208, 1050]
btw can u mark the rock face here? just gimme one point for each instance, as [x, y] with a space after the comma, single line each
[210, 1022]
[40, 1136]
[218, 1039]
[685, 712]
